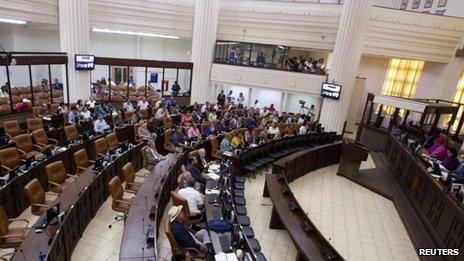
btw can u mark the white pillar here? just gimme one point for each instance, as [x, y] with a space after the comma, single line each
[74, 39]
[346, 57]
[203, 43]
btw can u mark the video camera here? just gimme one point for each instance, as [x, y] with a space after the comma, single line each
[301, 102]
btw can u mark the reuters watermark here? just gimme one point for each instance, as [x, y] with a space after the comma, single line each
[438, 251]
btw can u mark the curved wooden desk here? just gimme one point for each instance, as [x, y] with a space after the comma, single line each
[80, 200]
[287, 212]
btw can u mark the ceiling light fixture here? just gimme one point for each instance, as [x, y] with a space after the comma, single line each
[226, 43]
[12, 21]
[95, 29]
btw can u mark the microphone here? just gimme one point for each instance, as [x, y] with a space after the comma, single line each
[78, 188]
[146, 203]
[143, 226]
[143, 253]
[22, 253]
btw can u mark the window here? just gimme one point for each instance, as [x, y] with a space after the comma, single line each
[402, 77]
[459, 98]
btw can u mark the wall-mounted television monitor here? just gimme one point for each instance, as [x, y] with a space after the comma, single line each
[331, 91]
[84, 62]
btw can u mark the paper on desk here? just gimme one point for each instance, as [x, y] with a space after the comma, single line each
[226, 257]
[211, 191]
[212, 175]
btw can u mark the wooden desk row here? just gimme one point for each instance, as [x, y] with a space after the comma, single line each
[287, 212]
[12, 197]
[440, 212]
[81, 201]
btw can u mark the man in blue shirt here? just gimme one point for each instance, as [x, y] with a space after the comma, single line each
[251, 123]
[226, 146]
[196, 173]
[100, 125]
[178, 137]
[185, 236]
[171, 102]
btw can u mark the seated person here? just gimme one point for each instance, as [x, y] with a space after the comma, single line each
[185, 236]
[43, 111]
[210, 130]
[237, 141]
[143, 131]
[161, 114]
[194, 171]
[303, 129]
[171, 102]
[178, 137]
[194, 199]
[428, 141]
[85, 114]
[24, 105]
[193, 132]
[100, 126]
[221, 127]
[196, 117]
[143, 104]
[438, 150]
[62, 108]
[153, 156]
[451, 161]
[226, 146]
[212, 116]
[273, 130]
[202, 163]
[73, 117]
[127, 106]
[103, 110]
[457, 176]
[187, 119]
[251, 123]
[262, 136]
[136, 117]
[250, 136]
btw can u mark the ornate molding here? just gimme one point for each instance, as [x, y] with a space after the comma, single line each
[290, 8]
[265, 78]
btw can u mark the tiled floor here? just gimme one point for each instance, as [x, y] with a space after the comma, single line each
[359, 223]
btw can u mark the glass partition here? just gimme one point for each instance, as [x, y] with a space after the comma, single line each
[183, 77]
[276, 57]
[154, 82]
[21, 88]
[169, 79]
[5, 107]
[57, 84]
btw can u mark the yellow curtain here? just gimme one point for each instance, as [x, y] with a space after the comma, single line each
[459, 97]
[402, 78]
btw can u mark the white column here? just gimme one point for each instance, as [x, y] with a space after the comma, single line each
[74, 39]
[346, 57]
[203, 43]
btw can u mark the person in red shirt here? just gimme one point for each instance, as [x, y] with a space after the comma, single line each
[271, 108]
[23, 106]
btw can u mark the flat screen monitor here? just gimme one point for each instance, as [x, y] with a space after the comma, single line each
[84, 62]
[331, 91]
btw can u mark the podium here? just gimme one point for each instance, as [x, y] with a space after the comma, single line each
[352, 154]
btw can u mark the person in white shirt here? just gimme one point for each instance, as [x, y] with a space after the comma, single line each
[159, 103]
[205, 107]
[162, 113]
[216, 107]
[240, 99]
[85, 114]
[127, 106]
[301, 120]
[100, 125]
[303, 130]
[91, 102]
[143, 104]
[153, 156]
[255, 105]
[263, 112]
[194, 199]
[273, 130]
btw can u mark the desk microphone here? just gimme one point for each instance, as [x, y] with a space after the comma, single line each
[146, 203]
[22, 253]
[143, 226]
[143, 253]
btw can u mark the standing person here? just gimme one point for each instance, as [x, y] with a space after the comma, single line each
[221, 98]
[312, 113]
[230, 97]
[132, 81]
[255, 105]
[175, 89]
[240, 100]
